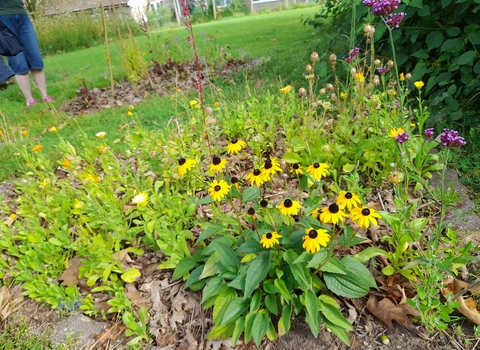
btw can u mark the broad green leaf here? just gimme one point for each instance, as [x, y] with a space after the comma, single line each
[453, 31]
[388, 270]
[130, 275]
[255, 302]
[209, 230]
[334, 265]
[271, 333]
[270, 288]
[251, 193]
[312, 311]
[299, 271]
[329, 308]
[271, 303]
[227, 256]
[221, 331]
[248, 257]
[434, 39]
[211, 267]
[475, 37]
[248, 326]
[260, 327]
[221, 304]
[256, 272]
[340, 332]
[234, 310]
[318, 259]
[287, 317]
[204, 200]
[298, 143]
[237, 332]
[211, 288]
[183, 267]
[292, 158]
[238, 282]
[355, 284]
[369, 253]
[467, 57]
[194, 278]
[348, 168]
[282, 287]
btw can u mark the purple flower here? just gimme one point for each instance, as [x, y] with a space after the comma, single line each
[450, 138]
[352, 54]
[382, 7]
[382, 70]
[348, 59]
[402, 137]
[429, 133]
[394, 20]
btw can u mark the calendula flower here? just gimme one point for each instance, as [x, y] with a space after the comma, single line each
[364, 216]
[395, 132]
[24, 132]
[332, 214]
[313, 239]
[193, 103]
[402, 76]
[101, 134]
[102, 148]
[216, 104]
[289, 207]
[270, 239]
[129, 113]
[185, 165]
[318, 170]
[217, 164]
[37, 148]
[140, 199]
[271, 166]
[359, 78]
[53, 129]
[286, 89]
[348, 199]
[131, 107]
[98, 179]
[257, 177]
[419, 84]
[296, 168]
[235, 146]
[66, 163]
[218, 189]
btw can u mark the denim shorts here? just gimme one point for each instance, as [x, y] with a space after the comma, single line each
[31, 58]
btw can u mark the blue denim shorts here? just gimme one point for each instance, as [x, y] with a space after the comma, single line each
[31, 58]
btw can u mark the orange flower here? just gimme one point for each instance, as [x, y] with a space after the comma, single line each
[67, 163]
[37, 148]
[24, 132]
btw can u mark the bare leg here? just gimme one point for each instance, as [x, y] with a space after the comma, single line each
[23, 81]
[39, 78]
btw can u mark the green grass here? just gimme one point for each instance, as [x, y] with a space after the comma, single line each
[279, 37]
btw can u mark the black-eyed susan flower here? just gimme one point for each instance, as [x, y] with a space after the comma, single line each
[296, 169]
[185, 165]
[289, 207]
[348, 200]
[218, 189]
[271, 166]
[257, 177]
[235, 146]
[313, 239]
[37, 148]
[264, 203]
[318, 170]
[251, 211]
[269, 239]
[332, 214]
[140, 199]
[364, 216]
[217, 164]
[234, 182]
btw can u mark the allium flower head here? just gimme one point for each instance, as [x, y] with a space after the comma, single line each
[451, 138]
[394, 20]
[382, 70]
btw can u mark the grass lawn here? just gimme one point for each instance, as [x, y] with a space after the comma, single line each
[279, 37]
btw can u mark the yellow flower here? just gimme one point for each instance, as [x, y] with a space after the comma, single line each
[314, 239]
[419, 84]
[98, 179]
[332, 214]
[270, 239]
[129, 113]
[318, 170]
[395, 132]
[13, 216]
[216, 104]
[102, 148]
[392, 92]
[193, 103]
[66, 163]
[365, 216]
[169, 30]
[286, 89]
[178, 90]
[348, 200]
[24, 132]
[296, 168]
[101, 134]
[131, 107]
[271, 166]
[257, 177]
[289, 207]
[53, 129]
[78, 204]
[184, 165]
[343, 95]
[1, 132]
[217, 164]
[235, 146]
[140, 199]
[402, 76]
[27, 165]
[359, 78]
[413, 125]
[37, 148]
[218, 189]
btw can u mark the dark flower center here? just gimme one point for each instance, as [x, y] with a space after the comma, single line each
[269, 235]
[217, 188]
[234, 180]
[268, 164]
[182, 161]
[313, 234]
[287, 203]
[348, 195]
[296, 166]
[263, 203]
[216, 160]
[256, 172]
[251, 211]
[333, 208]
[233, 141]
[366, 212]
[316, 165]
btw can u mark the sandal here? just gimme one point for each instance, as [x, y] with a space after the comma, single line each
[32, 102]
[48, 99]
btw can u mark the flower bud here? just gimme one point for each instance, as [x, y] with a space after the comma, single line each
[377, 63]
[376, 80]
[314, 57]
[309, 68]
[333, 96]
[209, 110]
[368, 30]
[302, 92]
[390, 64]
[353, 71]
[408, 76]
[322, 91]
[329, 87]
[333, 60]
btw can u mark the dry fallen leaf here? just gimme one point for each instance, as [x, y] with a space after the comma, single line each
[386, 311]
[111, 333]
[9, 303]
[70, 275]
[468, 307]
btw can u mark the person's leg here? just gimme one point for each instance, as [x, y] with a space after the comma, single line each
[23, 81]
[39, 78]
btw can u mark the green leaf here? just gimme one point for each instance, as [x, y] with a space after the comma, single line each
[421, 54]
[256, 299]
[282, 287]
[318, 259]
[329, 308]
[467, 58]
[211, 267]
[234, 310]
[445, 3]
[312, 312]
[388, 270]
[334, 265]
[453, 31]
[221, 304]
[299, 271]
[248, 327]
[238, 282]
[209, 230]
[369, 253]
[476, 68]
[227, 256]
[256, 272]
[130, 275]
[271, 304]
[270, 288]
[348, 167]
[355, 284]
[287, 317]
[416, 3]
[221, 331]
[251, 193]
[434, 39]
[237, 332]
[211, 288]
[340, 332]
[260, 327]
[194, 277]
[452, 45]
[292, 158]
[475, 37]
[204, 200]
[183, 267]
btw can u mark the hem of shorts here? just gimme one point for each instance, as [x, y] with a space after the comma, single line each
[26, 72]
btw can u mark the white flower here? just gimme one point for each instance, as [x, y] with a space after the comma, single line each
[140, 199]
[101, 134]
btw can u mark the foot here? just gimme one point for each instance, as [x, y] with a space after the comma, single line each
[48, 99]
[32, 102]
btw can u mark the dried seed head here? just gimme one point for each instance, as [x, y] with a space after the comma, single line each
[309, 68]
[329, 87]
[209, 110]
[322, 91]
[314, 57]
[332, 60]
[391, 64]
[333, 96]
[377, 63]
[376, 80]
[353, 71]
[408, 76]
[368, 30]
[302, 92]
